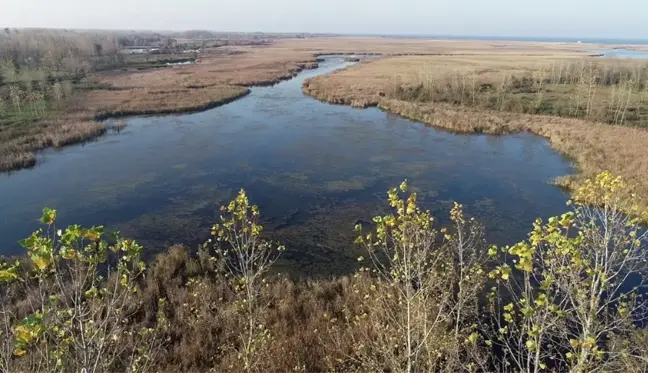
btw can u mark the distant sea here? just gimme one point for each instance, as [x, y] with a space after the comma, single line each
[526, 38]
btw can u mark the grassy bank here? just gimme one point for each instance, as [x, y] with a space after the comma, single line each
[146, 102]
[20, 145]
[607, 91]
[429, 90]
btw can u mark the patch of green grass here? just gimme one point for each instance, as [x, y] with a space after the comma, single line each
[13, 119]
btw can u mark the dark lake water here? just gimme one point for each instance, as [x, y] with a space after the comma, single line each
[314, 169]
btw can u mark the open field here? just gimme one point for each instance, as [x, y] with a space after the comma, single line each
[593, 145]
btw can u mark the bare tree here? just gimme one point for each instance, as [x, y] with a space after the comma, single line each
[15, 93]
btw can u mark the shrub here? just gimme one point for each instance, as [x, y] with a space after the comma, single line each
[74, 304]
[573, 288]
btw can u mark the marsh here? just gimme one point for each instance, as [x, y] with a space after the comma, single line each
[314, 169]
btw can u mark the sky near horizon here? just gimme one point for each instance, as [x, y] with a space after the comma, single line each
[552, 18]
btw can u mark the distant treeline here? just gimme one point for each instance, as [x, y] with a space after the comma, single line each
[56, 51]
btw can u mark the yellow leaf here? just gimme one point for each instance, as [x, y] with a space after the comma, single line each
[40, 263]
[7, 275]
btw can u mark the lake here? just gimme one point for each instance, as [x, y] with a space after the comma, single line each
[622, 53]
[314, 169]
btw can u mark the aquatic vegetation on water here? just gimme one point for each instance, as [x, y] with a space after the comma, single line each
[426, 297]
[438, 91]
[345, 185]
[130, 182]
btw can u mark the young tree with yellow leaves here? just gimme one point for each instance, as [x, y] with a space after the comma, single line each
[572, 289]
[421, 305]
[246, 258]
[73, 302]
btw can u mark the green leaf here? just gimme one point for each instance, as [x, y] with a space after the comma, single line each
[49, 216]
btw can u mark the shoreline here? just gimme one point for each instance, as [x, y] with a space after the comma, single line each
[23, 160]
[177, 111]
[593, 147]
[132, 93]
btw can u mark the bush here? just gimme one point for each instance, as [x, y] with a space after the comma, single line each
[74, 301]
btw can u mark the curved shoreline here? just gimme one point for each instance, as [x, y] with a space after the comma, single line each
[593, 147]
[175, 111]
[28, 158]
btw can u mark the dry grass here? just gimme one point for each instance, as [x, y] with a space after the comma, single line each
[594, 146]
[71, 133]
[392, 46]
[610, 91]
[18, 150]
[216, 79]
[364, 84]
[205, 326]
[241, 66]
[151, 101]
[16, 158]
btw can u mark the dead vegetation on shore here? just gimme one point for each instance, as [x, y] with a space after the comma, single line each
[595, 146]
[218, 79]
[153, 101]
[18, 150]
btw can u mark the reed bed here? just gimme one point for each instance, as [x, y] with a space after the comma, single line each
[609, 91]
[172, 101]
[19, 152]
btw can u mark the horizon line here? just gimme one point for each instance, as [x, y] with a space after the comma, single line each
[338, 34]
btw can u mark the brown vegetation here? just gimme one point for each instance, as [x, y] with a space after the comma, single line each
[609, 91]
[151, 101]
[426, 298]
[18, 148]
[594, 146]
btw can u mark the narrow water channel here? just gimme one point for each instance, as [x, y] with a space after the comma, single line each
[314, 170]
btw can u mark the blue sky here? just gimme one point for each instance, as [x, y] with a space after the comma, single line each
[570, 18]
